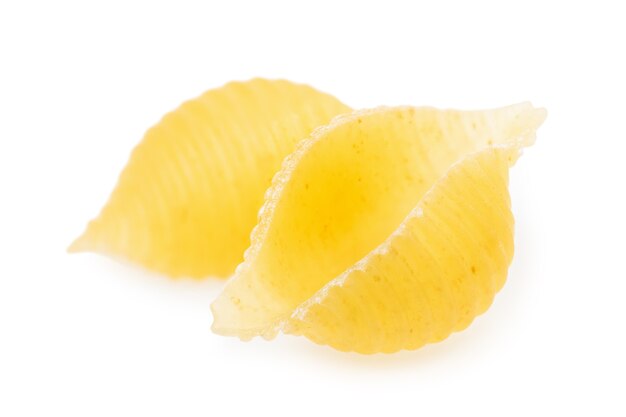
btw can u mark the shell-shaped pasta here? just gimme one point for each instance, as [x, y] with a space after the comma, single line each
[387, 229]
[189, 196]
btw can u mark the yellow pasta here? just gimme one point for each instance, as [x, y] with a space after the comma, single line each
[385, 230]
[188, 198]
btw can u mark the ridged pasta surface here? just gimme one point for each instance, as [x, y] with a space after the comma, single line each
[388, 229]
[189, 196]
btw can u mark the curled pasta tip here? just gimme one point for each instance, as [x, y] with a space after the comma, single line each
[78, 245]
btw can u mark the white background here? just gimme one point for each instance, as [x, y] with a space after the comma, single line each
[85, 336]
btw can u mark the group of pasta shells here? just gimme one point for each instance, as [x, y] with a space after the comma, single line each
[370, 230]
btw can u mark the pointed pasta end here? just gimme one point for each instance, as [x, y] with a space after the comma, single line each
[528, 122]
[80, 244]
[87, 241]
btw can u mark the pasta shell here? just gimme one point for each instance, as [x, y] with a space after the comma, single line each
[189, 196]
[387, 229]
